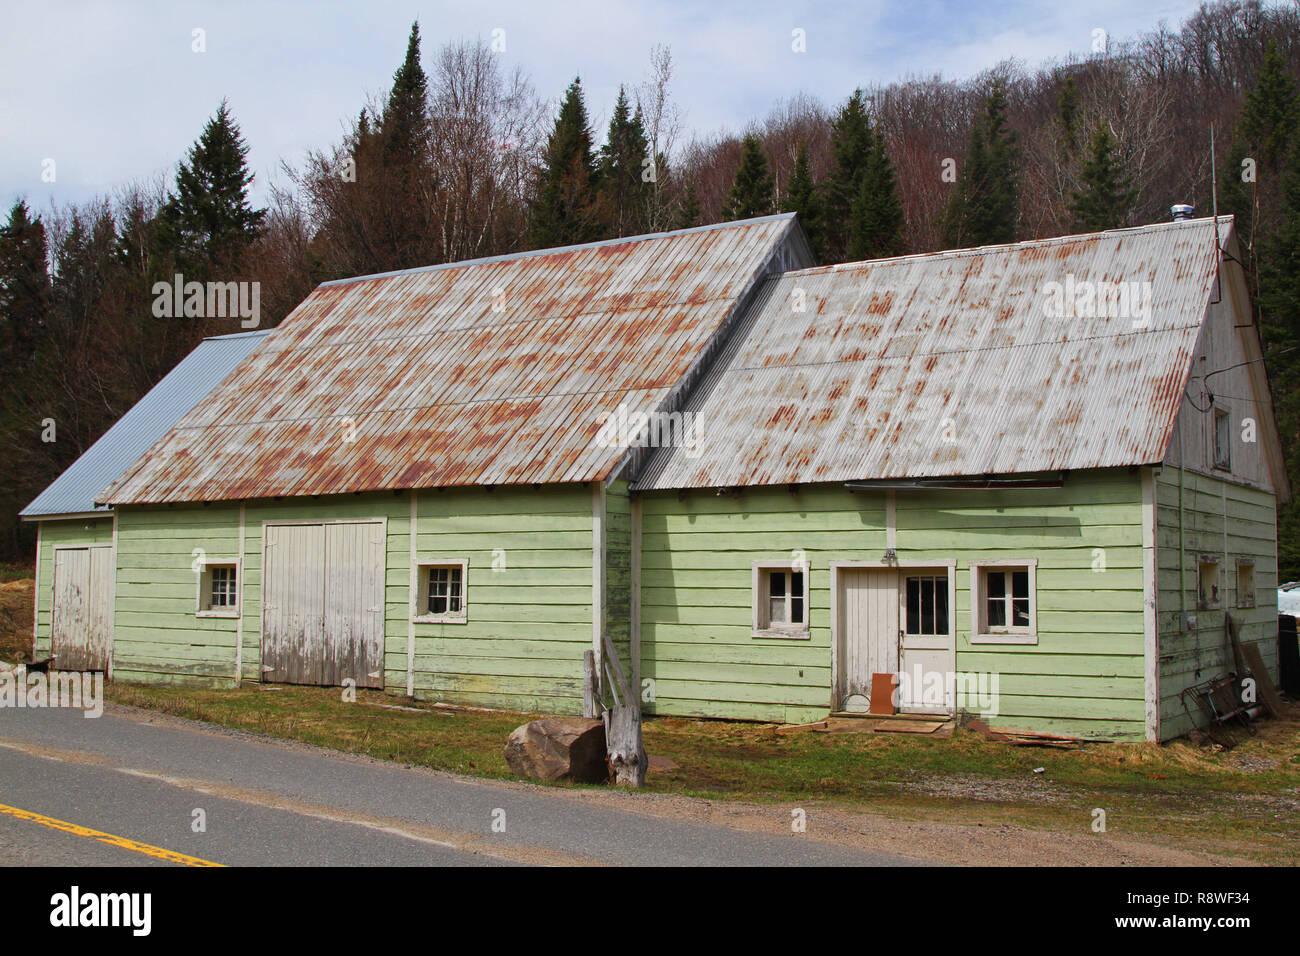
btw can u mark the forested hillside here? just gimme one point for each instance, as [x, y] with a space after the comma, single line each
[463, 158]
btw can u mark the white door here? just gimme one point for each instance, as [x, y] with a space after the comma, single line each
[867, 633]
[926, 636]
[323, 613]
[81, 614]
[895, 621]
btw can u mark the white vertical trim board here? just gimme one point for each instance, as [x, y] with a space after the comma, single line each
[239, 621]
[36, 588]
[1150, 648]
[598, 573]
[891, 520]
[634, 600]
[112, 606]
[413, 584]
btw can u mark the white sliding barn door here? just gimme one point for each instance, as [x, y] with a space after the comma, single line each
[323, 616]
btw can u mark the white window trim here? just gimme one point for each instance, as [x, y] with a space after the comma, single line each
[1254, 590]
[758, 592]
[422, 588]
[1217, 409]
[1207, 605]
[200, 576]
[1027, 635]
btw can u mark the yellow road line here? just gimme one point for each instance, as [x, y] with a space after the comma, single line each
[126, 844]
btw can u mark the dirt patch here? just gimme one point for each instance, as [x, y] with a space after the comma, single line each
[995, 843]
[16, 610]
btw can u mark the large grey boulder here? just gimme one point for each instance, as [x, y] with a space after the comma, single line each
[559, 748]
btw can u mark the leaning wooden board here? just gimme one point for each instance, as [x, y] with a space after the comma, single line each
[1263, 683]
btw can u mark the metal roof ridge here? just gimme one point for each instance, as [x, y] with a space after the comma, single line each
[237, 335]
[1008, 246]
[555, 250]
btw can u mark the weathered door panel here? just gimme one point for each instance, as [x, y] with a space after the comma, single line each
[324, 614]
[868, 633]
[354, 603]
[81, 624]
[293, 622]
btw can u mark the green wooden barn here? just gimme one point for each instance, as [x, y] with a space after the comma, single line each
[1025, 481]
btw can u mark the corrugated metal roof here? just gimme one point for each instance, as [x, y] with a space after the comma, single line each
[495, 371]
[178, 391]
[945, 365]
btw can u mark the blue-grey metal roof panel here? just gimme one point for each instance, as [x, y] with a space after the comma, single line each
[73, 492]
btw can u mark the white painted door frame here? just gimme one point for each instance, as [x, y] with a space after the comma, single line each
[382, 522]
[905, 644]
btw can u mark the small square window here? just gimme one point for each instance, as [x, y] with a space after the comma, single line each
[442, 594]
[1004, 602]
[780, 600]
[1207, 593]
[1222, 439]
[1245, 583]
[218, 589]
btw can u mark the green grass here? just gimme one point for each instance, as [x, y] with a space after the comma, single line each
[1240, 802]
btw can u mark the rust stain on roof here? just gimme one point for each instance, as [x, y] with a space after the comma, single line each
[490, 372]
[965, 371]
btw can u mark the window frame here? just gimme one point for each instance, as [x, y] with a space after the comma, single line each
[1254, 598]
[1220, 412]
[979, 632]
[203, 588]
[1201, 603]
[761, 626]
[928, 571]
[420, 613]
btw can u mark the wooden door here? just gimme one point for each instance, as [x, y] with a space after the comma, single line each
[81, 614]
[926, 638]
[323, 616]
[293, 612]
[354, 603]
[867, 633]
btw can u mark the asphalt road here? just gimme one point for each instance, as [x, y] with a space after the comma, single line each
[129, 788]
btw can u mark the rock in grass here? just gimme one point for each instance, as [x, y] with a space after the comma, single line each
[559, 748]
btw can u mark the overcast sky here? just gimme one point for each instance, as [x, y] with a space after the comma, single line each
[113, 91]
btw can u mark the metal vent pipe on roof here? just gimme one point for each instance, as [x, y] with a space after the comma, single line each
[1182, 211]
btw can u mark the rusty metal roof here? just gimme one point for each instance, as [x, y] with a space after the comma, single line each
[950, 365]
[495, 371]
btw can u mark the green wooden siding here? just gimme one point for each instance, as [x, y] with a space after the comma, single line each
[61, 533]
[1084, 676]
[157, 637]
[1218, 518]
[529, 610]
[529, 592]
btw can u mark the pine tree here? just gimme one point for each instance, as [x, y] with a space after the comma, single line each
[25, 291]
[1279, 302]
[1269, 112]
[801, 197]
[405, 125]
[622, 162]
[751, 194]
[567, 207]
[876, 220]
[208, 219]
[983, 208]
[1104, 197]
[1250, 181]
[688, 216]
[851, 144]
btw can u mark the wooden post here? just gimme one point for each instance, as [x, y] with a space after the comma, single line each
[627, 759]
